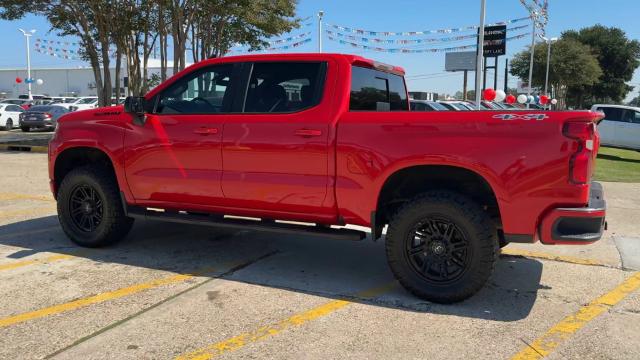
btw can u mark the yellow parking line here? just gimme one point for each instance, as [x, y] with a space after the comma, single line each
[34, 211]
[546, 256]
[266, 331]
[102, 297]
[568, 326]
[115, 294]
[46, 260]
[16, 196]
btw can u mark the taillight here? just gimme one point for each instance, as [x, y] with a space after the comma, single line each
[581, 161]
[47, 116]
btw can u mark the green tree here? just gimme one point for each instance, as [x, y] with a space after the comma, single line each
[635, 101]
[219, 24]
[572, 65]
[88, 20]
[618, 57]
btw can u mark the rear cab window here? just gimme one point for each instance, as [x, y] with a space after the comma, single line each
[375, 90]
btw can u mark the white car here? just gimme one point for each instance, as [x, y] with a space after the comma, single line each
[9, 114]
[620, 126]
[84, 104]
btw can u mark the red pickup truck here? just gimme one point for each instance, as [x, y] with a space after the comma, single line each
[308, 143]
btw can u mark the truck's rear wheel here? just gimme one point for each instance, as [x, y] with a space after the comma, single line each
[442, 246]
[89, 207]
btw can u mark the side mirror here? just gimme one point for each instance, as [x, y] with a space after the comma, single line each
[134, 105]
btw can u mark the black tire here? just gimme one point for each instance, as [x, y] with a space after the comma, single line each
[98, 218]
[450, 232]
[24, 128]
[8, 125]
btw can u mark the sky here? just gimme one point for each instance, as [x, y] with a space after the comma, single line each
[425, 72]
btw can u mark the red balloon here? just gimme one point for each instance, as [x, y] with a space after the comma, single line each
[544, 99]
[510, 99]
[18, 80]
[489, 94]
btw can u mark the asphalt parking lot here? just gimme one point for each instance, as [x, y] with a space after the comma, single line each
[176, 291]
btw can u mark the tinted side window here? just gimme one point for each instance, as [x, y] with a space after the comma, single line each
[284, 87]
[204, 91]
[636, 117]
[373, 90]
[612, 114]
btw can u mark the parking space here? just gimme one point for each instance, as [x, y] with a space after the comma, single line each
[178, 291]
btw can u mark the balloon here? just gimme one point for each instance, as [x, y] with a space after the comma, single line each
[28, 80]
[510, 99]
[554, 101]
[536, 99]
[39, 81]
[530, 99]
[489, 94]
[522, 98]
[500, 95]
[18, 80]
[544, 99]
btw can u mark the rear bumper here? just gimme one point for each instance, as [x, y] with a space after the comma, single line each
[576, 226]
[37, 123]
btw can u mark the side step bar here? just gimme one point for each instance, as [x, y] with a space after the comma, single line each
[245, 224]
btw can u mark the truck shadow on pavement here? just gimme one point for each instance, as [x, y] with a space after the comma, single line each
[325, 268]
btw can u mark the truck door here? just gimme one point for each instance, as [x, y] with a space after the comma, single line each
[176, 156]
[275, 153]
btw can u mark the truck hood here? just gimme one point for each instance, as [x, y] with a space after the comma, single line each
[90, 115]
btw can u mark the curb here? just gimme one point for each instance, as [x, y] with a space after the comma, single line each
[26, 148]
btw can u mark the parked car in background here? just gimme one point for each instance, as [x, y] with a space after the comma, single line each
[23, 103]
[9, 115]
[483, 105]
[41, 117]
[425, 105]
[84, 104]
[620, 126]
[456, 105]
[69, 102]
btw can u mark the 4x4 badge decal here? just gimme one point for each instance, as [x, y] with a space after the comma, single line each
[521, 116]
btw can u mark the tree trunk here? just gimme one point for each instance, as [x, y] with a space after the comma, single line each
[105, 99]
[117, 74]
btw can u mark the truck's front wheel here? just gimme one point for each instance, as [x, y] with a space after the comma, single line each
[89, 207]
[442, 246]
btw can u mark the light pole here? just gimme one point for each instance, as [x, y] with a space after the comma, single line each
[549, 41]
[27, 35]
[480, 54]
[533, 45]
[320, 15]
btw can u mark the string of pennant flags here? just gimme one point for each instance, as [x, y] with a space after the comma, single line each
[415, 33]
[419, 51]
[273, 48]
[411, 41]
[57, 54]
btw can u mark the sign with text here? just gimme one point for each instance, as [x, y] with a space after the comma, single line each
[495, 40]
[460, 61]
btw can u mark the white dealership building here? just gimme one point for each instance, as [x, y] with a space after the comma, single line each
[62, 81]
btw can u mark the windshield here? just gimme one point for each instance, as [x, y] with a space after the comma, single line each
[87, 101]
[40, 108]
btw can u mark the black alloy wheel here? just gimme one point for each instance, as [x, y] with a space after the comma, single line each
[438, 250]
[86, 208]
